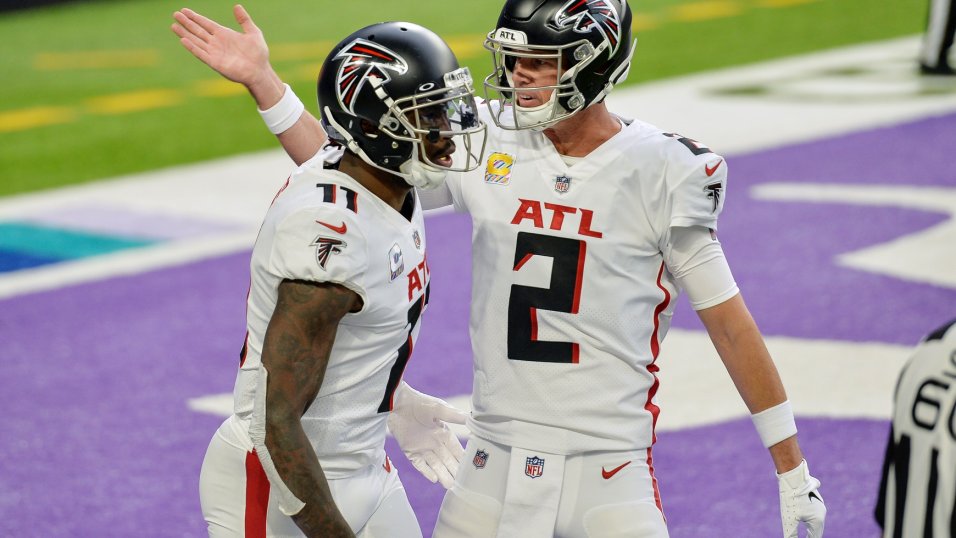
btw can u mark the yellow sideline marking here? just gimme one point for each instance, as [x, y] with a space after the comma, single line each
[218, 87]
[300, 51]
[700, 11]
[467, 46]
[304, 72]
[464, 46]
[643, 21]
[28, 118]
[783, 3]
[122, 103]
[106, 59]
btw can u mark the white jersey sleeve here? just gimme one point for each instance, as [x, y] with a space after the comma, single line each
[693, 255]
[697, 198]
[321, 244]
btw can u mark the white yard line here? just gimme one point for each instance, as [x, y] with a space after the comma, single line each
[824, 378]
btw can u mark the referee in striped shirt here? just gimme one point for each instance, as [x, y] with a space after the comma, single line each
[918, 489]
[940, 30]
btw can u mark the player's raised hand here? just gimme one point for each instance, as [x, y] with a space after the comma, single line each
[241, 57]
[800, 501]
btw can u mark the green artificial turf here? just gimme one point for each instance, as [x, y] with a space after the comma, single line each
[61, 61]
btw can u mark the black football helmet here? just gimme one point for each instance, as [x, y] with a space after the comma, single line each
[406, 84]
[589, 39]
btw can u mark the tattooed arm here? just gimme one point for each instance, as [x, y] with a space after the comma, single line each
[295, 355]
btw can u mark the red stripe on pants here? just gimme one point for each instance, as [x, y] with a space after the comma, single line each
[657, 491]
[257, 497]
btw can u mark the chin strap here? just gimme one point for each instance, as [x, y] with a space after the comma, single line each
[413, 171]
[421, 175]
[539, 118]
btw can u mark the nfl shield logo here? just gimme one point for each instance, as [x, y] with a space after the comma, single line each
[534, 466]
[417, 238]
[480, 459]
[562, 183]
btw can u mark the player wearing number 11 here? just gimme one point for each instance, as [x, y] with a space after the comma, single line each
[339, 283]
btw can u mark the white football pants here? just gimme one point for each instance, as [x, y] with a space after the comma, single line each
[506, 492]
[235, 495]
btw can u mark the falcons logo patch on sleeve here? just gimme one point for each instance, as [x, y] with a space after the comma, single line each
[326, 247]
[364, 60]
[587, 15]
[713, 192]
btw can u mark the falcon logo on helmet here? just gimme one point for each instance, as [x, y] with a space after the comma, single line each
[586, 15]
[364, 60]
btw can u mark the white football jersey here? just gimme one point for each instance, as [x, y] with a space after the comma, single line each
[326, 227]
[571, 296]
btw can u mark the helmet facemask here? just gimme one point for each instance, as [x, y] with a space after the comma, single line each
[589, 40]
[374, 91]
[434, 113]
[506, 47]
[446, 117]
[417, 124]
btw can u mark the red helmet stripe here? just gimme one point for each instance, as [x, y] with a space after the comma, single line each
[358, 48]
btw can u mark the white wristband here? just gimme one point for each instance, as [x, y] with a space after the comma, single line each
[775, 424]
[283, 115]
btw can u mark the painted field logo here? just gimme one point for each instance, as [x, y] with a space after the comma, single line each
[534, 466]
[498, 171]
[480, 459]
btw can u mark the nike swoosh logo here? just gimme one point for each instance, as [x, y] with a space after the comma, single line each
[813, 495]
[608, 474]
[337, 229]
[710, 171]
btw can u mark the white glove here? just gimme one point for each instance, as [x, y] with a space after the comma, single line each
[418, 423]
[800, 500]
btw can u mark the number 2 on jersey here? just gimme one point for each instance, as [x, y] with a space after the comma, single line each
[563, 295]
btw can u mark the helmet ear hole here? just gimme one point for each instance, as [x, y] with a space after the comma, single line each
[369, 129]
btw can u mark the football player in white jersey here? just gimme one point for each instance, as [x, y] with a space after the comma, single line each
[918, 488]
[586, 227]
[339, 282]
